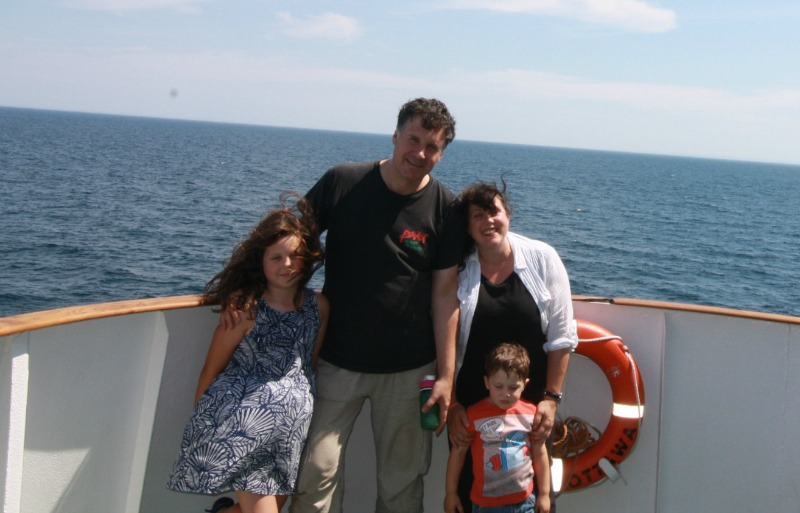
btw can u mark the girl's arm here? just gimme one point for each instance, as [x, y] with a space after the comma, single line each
[324, 314]
[223, 344]
[452, 503]
[541, 472]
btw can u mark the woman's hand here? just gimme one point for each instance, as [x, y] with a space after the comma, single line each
[544, 419]
[457, 424]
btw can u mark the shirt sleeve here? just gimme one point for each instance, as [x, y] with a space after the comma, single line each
[453, 233]
[561, 327]
[316, 197]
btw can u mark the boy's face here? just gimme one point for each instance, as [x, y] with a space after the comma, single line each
[504, 389]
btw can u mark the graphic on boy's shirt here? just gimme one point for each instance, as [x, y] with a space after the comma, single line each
[505, 455]
[513, 452]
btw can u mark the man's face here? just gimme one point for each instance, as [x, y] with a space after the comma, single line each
[416, 150]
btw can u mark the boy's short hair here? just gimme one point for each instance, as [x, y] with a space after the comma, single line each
[512, 358]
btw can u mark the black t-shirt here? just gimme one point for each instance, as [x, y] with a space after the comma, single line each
[506, 312]
[381, 249]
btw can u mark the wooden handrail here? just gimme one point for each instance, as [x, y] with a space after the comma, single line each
[687, 307]
[47, 318]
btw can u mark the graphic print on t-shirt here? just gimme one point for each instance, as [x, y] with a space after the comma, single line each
[506, 456]
[414, 240]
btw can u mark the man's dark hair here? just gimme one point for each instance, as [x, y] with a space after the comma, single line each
[433, 114]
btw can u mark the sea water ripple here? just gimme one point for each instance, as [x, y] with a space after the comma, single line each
[99, 208]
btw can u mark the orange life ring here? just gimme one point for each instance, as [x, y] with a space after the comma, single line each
[615, 360]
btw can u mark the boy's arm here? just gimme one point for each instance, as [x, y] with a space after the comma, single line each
[455, 463]
[541, 472]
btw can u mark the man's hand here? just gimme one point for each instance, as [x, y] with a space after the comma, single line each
[230, 316]
[440, 394]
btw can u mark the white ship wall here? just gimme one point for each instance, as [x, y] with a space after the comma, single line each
[92, 412]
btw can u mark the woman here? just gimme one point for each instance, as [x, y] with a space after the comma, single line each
[510, 289]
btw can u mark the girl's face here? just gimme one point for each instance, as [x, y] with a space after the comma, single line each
[486, 229]
[282, 263]
[504, 389]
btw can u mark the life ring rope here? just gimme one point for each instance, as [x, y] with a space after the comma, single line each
[635, 376]
[624, 410]
[593, 462]
[598, 339]
[634, 410]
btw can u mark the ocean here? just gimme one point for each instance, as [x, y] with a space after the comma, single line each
[97, 208]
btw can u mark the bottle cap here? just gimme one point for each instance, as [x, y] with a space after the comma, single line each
[428, 381]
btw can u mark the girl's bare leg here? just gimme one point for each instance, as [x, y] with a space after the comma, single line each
[281, 500]
[255, 503]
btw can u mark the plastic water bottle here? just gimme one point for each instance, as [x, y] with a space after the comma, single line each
[429, 420]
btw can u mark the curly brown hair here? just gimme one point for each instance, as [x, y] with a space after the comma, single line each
[242, 280]
[511, 358]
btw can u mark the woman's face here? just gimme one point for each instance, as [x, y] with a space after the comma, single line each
[486, 229]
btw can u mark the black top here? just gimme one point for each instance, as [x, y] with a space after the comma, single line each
[505, 313]
[381, 249]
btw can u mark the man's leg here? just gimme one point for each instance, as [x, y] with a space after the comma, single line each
[403, 448]
[336, 407]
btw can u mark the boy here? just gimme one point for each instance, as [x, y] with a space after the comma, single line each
[505, 458]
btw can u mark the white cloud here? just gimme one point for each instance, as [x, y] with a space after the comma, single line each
[634, 15]
[325, 26]
[535, 86]
[525, 106]
[134, 5]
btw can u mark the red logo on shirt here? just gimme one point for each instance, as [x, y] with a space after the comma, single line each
[414, 240]
[420, 237]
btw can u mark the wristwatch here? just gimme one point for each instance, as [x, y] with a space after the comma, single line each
[552, 395]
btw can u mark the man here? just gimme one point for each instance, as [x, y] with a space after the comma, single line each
[392, 249]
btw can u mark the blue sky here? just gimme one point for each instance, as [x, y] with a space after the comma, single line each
[706, 78]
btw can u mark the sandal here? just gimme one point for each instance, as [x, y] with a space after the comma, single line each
[221, 503]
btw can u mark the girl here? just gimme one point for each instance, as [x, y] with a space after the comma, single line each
[255, 393]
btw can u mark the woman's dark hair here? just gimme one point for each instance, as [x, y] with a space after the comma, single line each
[481, 195]
[242, 279]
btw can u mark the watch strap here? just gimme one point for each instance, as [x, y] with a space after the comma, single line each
[553, 395]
